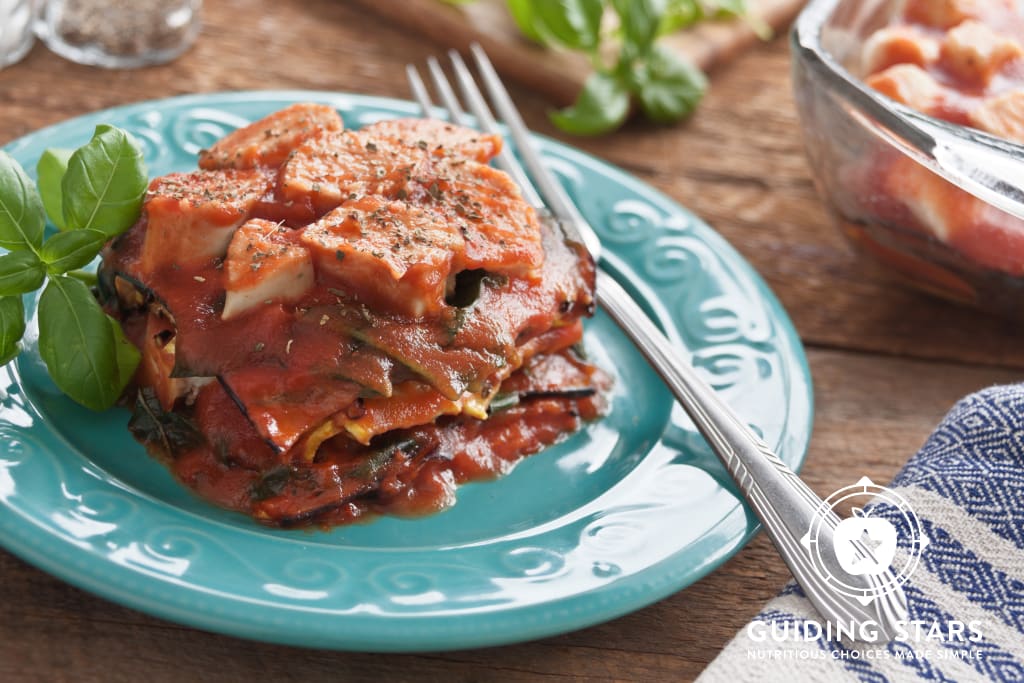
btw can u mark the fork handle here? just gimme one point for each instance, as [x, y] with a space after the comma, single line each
[785, 505]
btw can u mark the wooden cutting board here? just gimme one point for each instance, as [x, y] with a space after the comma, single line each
[560, 74]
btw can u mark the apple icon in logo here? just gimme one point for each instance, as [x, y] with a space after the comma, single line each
[863, 544]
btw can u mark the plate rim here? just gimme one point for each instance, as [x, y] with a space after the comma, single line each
[560, 617]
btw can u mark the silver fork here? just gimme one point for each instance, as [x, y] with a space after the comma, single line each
[785, 505]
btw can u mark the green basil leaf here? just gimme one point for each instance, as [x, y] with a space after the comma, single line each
[670, 87]
[20, 272]
[12, 327]
[125, 354]
[77, 344]
[273, 482]
[602, 106]
[170, 433]
[526, 19]
[574, 23]
[726, 9]
[639, 21]
[680, 14]
[70, 250]
[105, 183]
[22, 219]
[50, 170]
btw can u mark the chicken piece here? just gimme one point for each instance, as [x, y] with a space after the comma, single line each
[190, 217]
[983, 234]
[499, 229]
[945, 14]
[897, 45]
[925, 194]
[386, 254]
[909, 84]
[264, 263]
[1002, 116]
[269, 141]
[439, 138]
[328, 169]
[941, 13]
[460, 216]
[381, 158]
[976, 53]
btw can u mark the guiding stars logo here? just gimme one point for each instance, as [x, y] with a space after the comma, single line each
[865, 545]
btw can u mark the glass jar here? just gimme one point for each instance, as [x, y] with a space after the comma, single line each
[119, 34]
[16, 35]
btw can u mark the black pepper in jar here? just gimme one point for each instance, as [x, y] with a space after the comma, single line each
[120, 33]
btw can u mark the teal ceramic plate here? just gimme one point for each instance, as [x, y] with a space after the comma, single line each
[623, 514]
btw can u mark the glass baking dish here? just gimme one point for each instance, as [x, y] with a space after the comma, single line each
[940, 204]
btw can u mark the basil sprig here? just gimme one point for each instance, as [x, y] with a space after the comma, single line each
[91, 195]
[630, 66]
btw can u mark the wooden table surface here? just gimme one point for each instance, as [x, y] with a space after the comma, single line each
[887, 363]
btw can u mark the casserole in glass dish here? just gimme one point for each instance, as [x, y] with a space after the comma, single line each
[913, 115]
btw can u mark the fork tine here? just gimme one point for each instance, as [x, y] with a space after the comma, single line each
[444, 89]
[485, 121]
[549, 188]
[419, 90]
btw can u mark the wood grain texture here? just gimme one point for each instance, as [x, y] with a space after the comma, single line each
[560, 75]
[887, 363]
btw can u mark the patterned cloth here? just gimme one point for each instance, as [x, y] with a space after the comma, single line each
[966, 486]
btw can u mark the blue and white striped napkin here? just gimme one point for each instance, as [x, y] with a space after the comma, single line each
[966, 596]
